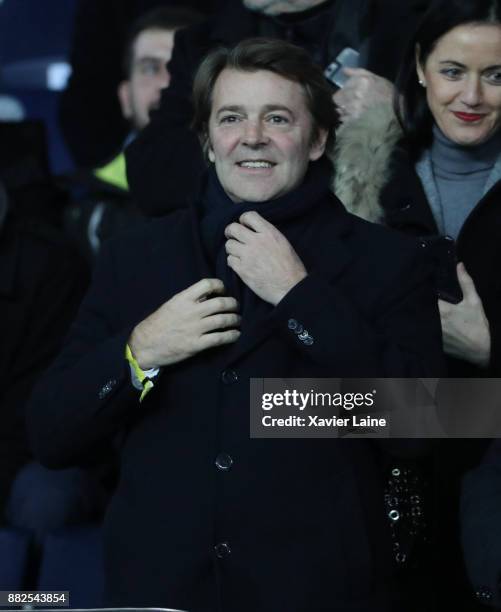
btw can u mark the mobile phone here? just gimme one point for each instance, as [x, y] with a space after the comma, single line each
[348, 58]
[443, 252]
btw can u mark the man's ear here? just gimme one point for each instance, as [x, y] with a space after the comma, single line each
[124, 97]
[317, 147]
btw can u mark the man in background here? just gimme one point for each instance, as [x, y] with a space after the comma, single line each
[106, 207]
[89, 111]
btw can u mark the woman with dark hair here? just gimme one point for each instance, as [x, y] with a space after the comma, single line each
[435, 172]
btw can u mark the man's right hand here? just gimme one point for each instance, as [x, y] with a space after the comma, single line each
[192, 321]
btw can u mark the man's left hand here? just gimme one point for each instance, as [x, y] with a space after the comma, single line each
[465, 328]
[263, 257]
[361, 91]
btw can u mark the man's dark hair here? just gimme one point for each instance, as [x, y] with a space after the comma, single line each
[282, 58]
[410, 103]
[164, 18]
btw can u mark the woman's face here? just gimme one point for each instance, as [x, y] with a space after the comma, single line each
[462, 77]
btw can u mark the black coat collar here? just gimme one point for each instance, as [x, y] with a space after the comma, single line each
[403, 199]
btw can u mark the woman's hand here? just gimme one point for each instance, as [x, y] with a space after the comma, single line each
[465, 328]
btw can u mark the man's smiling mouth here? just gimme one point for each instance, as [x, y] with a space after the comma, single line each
[256, 163]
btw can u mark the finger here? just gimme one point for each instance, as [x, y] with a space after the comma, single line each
[233, 263]
[254, 221]
[218, 305]
[337, 98]
[444, 307]
[352, 72]
[466, 282]
[203, 288]
[339, 102]
[220, 321]
[214, 339]
[239, 232]
[233, 247]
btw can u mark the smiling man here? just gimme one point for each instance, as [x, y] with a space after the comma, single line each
[282, 129]
[265, 276]
[164, 164]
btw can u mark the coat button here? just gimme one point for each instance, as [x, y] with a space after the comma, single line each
[483, 594]
[394, 515]
[229, 377]
[292, 324]
[107, 388]
[305, 337]
[224, 462]
[222, 550]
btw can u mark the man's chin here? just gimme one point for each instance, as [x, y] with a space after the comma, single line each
[254, 196]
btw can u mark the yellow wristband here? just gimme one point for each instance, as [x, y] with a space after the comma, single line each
[146, 382]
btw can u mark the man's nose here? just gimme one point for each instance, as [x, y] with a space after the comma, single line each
[254, 134]
[472, 92]
[163, 78]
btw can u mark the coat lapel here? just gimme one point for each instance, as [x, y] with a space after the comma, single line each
[404, 200]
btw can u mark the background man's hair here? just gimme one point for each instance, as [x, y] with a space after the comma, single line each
[277, 56]
[163, 18]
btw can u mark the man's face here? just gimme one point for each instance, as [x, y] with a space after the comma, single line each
[260, 135]
[140, 93]
[276, 7]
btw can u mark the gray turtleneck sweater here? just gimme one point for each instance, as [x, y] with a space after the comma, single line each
[456, 177]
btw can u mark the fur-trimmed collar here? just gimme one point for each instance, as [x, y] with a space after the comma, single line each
[361, 158]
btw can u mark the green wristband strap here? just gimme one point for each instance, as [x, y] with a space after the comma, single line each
[145, 381]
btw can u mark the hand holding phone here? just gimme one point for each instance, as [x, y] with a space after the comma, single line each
[348, 58]
[465, 327]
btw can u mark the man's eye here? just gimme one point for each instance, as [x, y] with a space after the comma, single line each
[278, 119]
[229, 119]
[150, 68]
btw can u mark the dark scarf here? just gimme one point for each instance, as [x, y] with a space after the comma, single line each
[218, 211]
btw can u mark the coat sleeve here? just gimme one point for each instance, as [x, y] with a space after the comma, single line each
[401, 338]
[166, 158]
[86, 396]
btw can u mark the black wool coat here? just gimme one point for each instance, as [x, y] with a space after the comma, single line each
[293, 524]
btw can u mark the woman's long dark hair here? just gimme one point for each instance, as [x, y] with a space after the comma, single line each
[410, 103]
